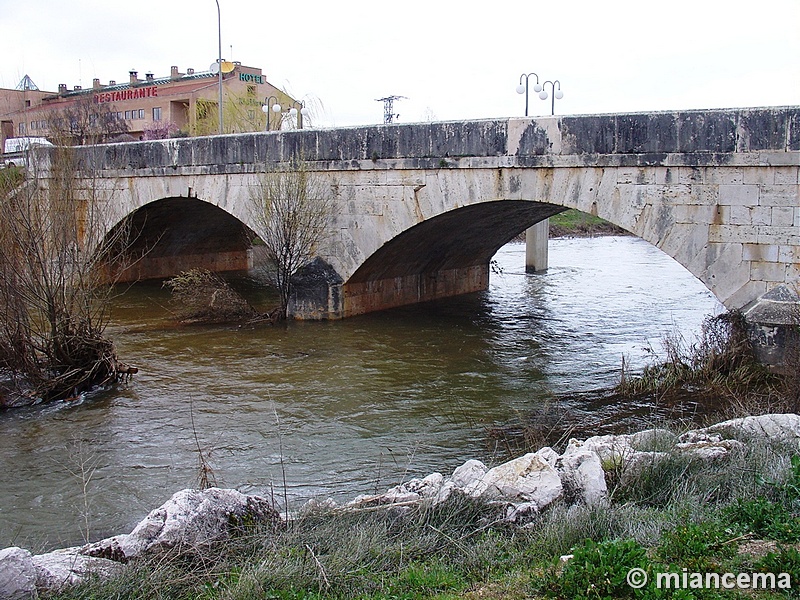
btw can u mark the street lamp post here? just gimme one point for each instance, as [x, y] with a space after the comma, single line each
[299, 113]
[555, 92]
[274, 107]
[219, 63]
[523, 88]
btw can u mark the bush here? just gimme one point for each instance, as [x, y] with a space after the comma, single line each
[598, 570]
[766, 519]
[697, 546]
[201, 296]
[786, 560]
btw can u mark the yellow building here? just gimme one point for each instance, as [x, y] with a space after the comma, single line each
[152, 107]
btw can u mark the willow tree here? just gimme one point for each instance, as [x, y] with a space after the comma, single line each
[54, 301]
[292, 209]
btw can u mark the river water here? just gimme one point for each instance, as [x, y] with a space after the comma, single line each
[340, 408]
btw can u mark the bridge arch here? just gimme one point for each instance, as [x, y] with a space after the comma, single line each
[442, 255]
[174, 234]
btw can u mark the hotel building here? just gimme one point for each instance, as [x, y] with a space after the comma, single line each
[178, 104]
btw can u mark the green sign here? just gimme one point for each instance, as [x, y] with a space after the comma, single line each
[249, 77]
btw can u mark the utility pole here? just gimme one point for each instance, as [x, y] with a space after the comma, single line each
[388, 107]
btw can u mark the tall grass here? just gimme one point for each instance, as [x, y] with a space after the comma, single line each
[719, 371]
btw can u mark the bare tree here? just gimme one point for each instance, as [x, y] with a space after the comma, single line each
[292, 212]
[86, 122]
[54, 303]
[160, 130]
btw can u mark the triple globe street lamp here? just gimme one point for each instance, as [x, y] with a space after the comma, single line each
[555, 93]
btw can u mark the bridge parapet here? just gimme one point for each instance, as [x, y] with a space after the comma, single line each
[663, 138]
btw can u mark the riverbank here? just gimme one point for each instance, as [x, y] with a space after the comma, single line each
[719, 499]
[573, 223]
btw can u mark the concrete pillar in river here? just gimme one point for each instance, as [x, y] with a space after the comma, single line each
[536, 238]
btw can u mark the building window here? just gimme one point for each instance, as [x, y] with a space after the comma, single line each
[127, 115]
[251, 90]
[22, 128]
[157, 113]
[141, 113]
[33, 125]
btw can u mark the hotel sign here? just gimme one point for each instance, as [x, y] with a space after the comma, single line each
[251, 78]
[122, 95]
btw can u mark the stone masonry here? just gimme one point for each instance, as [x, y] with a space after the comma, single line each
[421, 208]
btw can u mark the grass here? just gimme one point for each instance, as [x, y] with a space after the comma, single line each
[573, 222]
[676, 514]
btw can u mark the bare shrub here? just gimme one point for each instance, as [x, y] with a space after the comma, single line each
[53, 302]
[86, 122]
[721, 363]
[200, 296]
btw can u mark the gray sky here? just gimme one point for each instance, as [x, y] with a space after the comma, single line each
[452, 59]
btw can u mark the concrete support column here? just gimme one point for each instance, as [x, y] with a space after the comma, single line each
[536, 238]
[316, 293]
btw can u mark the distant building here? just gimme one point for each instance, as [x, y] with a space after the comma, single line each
[179, 104]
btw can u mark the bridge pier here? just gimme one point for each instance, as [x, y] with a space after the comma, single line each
[773, 321]
[370, 296]
[536, 239]
[319, 292]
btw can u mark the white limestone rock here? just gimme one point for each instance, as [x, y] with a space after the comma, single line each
[427, 487]
[774, 427]
[315, 505]
[702, 450]
[413, 490]
[651, 440]
[521, 513]
[582, 476]
[445, 492]
[190, 519]
[528, 478]
[17, 574]
[699, 436]
[708, 449]
[64, 568]
[468, 473]
[549, 455]
[612, 449]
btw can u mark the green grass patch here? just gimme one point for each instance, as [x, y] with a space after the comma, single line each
[573, 222]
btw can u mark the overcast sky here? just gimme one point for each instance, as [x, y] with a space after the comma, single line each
[451, 59]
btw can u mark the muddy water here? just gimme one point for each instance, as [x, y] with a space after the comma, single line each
[337, 409]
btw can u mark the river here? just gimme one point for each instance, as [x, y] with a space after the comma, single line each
[340, 408]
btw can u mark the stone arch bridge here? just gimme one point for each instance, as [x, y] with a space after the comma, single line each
[420, 209]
